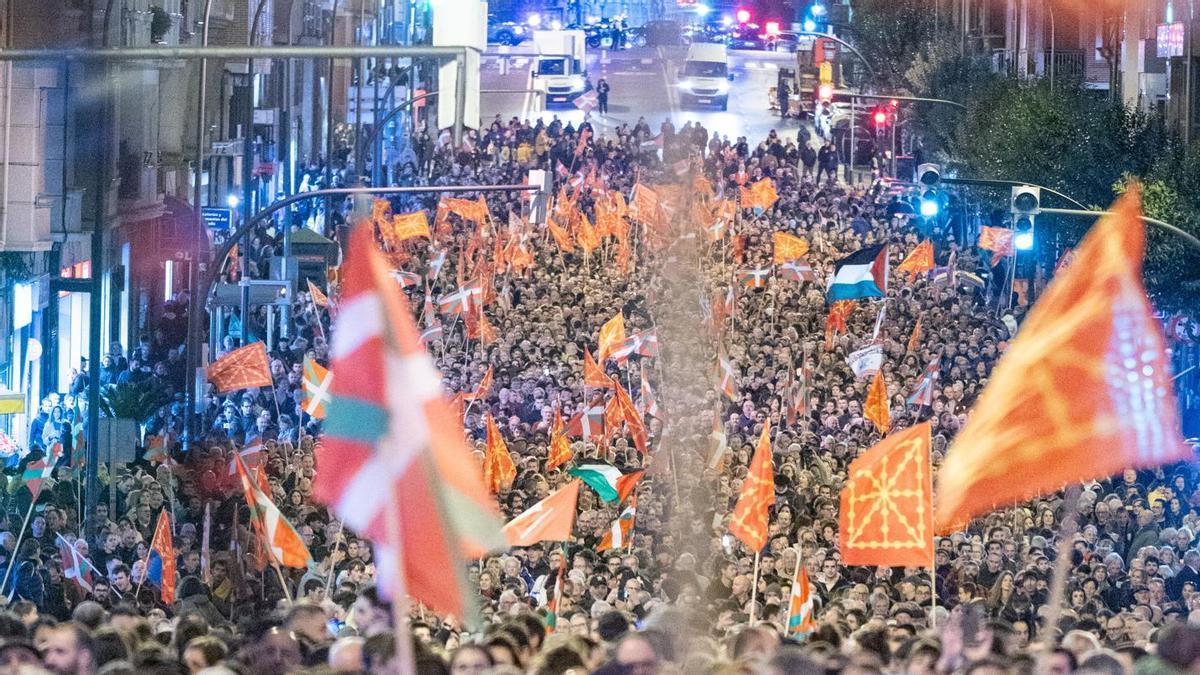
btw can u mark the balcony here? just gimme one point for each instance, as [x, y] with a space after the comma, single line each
[1067, 64]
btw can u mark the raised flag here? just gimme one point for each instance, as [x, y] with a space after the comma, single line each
[317, 380]
[919, 261]
[586, 237]
[482, 389]
[406, 279]
[727, 381]
[587, 423]
[835, 322]
[886, 517]
[800, 620]
[797, 270]
[718, 447]
[243, 368]
[619, 533]
[560, 448]
[318, 296]
[646, 403]
[406, 226]
[474, 210]
[593, 374]
[281, 540]
[914, 340]
[788, 247]
[643, 343]
[499, 470]
[607, 480]
[37, 472]
[552, 605]
[749, 522]
[1083, 392]
[923, 394]
[760, 196]
[158, 449]
[431, 325]
[876, 408]
[998, 240]
[75, 566]
[435, 265]
[866, 361]
[862, 274]
[754, 278]
[160, 560]
[391, 443]
[551, 519]
[612, 334]
[251, 455]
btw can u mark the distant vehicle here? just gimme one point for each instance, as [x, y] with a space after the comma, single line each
[705, 77]
[506, 32]
[560, 68]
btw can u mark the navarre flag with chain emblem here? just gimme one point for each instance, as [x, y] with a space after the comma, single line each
[318, 296]
[998, 240]
[561, 236]
[886, 519]
[406, 226]
[593, 374]
[760, 196]
[875, 408]
[919, 261]
[160, 560]
[317, 380]
[1082, 392]
[242, 368]
[750, 515]
[499, 470]
[560, 448]
[914, 340]
[548, 520]
[788, 247]
[612, 334]
[482, 389]
[392, 442]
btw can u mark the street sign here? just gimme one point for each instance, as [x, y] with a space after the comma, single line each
[12, 403]
[217, 218]
[227, 148]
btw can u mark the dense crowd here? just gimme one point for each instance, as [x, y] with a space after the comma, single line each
[678, 597]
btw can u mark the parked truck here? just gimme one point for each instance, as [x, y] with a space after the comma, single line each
[560, 71]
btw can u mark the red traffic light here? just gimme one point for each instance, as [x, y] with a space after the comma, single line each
[743, 16]
[881, 118]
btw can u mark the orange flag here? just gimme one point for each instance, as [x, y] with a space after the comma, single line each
[788, 247]
[468, 209]
[835, 322]
[647, 206]
[482, 389]
[318, 297]
[760, 195]
[586, 236]
[915, 340]
[886, 518]
[919, 261]
[633, 418]
[408, 225]
[560, 448]
[242, 368]
[876, 407]
[998, 240]
[498, 467]
[750, 515]
[612, 334]
[1082, 393]
[593, 374]
[561, 236]
[548, 520]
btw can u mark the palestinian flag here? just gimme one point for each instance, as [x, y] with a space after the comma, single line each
[607, 480]
[862, 274]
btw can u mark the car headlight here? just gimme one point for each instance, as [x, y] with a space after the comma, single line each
[686, 85]
[577, 84]
[519, 30]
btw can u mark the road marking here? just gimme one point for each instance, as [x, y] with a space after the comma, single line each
[520, 62]
[525, 113]
[672, 101]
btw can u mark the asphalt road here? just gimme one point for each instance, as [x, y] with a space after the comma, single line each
[643, 85]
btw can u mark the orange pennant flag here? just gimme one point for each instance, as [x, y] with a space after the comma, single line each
[499, 470]
[886, 519]
[919, 261]
[586, 236]
[481, 391]
[560, 448]
[835, 322]
[593, 374]
[633, 418]
[242, 368]
[561, 236]
[750, 515]
[548, 520]
[998, 240]
[318, 296]
[876, 407]
[612, 334]
[788, 247]
[1082, 393]
[915, 340]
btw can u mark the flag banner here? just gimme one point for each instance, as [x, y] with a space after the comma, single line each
[754, 278]
[242, 368]
[406, 226]
[886, 516]
[797, 270]
[726, 379]
[593, 373]
[718, 447]
[317, 380]
[474, 210]
[551, 519]
[923, 394]
[788, 247]
[750, 515]
[866, 361]
[499, 470]
[862, 274]
[800, 608]
[919, 261]
[914, 340]
[75, 566]
[280, 539]
[760, 196]
[588, 423]
[482, 389]
[619, 533]
[560, 448]
[160, 561]
[612, 334]
[607, 480]
[876, 408]
[1082, 393]
[998, 240]
[644, 343]
[318, 296]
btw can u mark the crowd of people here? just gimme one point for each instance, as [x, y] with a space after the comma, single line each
[679, 595]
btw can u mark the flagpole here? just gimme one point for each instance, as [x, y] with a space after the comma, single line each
[400, 610]
[332, 562]
[287, 593]
[754, 590]
[1062, 568]
[933, 562]
[787, 628]
[20, 537]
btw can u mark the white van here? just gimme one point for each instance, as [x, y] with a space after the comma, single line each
[705, 77]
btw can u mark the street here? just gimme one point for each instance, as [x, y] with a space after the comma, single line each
[643, 85]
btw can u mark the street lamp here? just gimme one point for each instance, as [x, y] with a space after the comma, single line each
[233, 201]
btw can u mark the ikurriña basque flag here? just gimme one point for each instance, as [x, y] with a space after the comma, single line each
[862, 274]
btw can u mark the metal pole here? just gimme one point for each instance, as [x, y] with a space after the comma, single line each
[1050, 10]
[247, 171]
[230, 52]
[845, 44]
[460, 98]
[101, 134]
[192, 358]
[1186, 236]
[329, 118]
[915, 99]
[853, 130]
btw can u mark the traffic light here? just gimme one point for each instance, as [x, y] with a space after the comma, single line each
[880, 117]
[1025, 205]
[929, 178]
[825, 93]
[743, 15]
